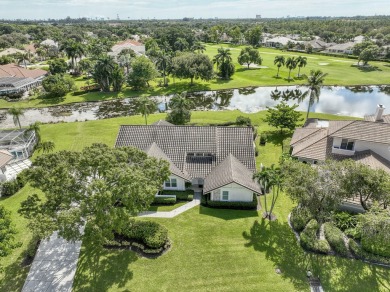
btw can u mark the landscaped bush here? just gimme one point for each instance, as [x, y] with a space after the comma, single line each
[11, 187]
[243, 121]
[344, 220]
[310, 241]
[359, 252]
[151, 234]
[263, 138]
[187, 195]
[335, 238]
[299, 218]
[376, 242]
[286, 148]
[164, 201]
[232, 205]
[353, 233]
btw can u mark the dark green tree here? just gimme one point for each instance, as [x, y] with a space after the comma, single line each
[192, 66]
[283, 116]
[291, 64]
[57, 66]
[224, 63]
[249, 55]
[279, 62]
[314, 82]
[58, 85]
[143, 71]
[180, 109]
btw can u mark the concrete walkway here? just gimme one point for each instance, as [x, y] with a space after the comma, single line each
[54, 266]
[173, 213]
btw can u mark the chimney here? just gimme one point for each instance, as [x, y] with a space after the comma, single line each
[379, 112]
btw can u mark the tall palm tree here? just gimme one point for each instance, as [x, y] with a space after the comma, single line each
[224, 61]
[36, 127]
[164, 64]
[22, 58]
[145, 106]
[263, 178]
[45, 147]
[180, 101]
[103, 72]
[276, 184]
[314, 82]
[301, 62]
[279, 62]
[291, 64]
[16, 114]
[73, 50]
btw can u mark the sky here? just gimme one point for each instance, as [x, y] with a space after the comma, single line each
[176, 9]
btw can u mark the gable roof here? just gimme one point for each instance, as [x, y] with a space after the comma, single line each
[13, 70]
[5, 157]
[154, 151]
[368, 158]
[230, 170]
[195, 150]
[11, 51]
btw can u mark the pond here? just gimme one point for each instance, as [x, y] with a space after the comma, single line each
[354, 101]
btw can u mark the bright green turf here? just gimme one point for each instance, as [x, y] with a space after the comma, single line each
[339, 69]
[167, 208]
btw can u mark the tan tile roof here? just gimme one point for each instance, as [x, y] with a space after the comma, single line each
[154, 151]
[309, 140]
[365, 131]
[230, 170]
[12, 70]
[301, 133]
[371, 118]
[5, 157]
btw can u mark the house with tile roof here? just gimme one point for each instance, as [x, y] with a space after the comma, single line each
[219, 160]
[136, 46]
[366, 141]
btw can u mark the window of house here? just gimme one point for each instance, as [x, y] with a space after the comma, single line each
[347, 144]
[225, 196]
[171, 183]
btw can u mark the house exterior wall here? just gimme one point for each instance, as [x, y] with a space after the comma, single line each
[381, 149]
[237, 193]
[180, 184]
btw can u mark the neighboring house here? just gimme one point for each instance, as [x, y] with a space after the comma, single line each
[279, 42]
[16, 146]
[219, 160]
[317, 45]
[15, 79]
[11, 51]
[30, 48]
[346, 48]
[365, 141]
[49, 43]
[137, 47]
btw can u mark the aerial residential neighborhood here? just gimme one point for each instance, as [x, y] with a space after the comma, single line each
[194, 146]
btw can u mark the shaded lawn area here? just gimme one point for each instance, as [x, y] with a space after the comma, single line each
[225, 250]
[340, 72]
[167, 208]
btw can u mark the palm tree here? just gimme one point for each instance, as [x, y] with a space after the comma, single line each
[199, 47]
[16, 114]
[164, 64]
[73, 50]
[36, 127]
[276, 184]
[22, 58]
[180, 101]
[45, 147]
[279, 62]
[263, 178]
[291, 64]
[145, 106]
[103, 71]
[314, 82]
[224, 61]
[301, 62]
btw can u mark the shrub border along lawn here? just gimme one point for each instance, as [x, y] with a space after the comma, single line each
[187, 195]
[205, 201]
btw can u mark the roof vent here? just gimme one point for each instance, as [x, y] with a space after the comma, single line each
[379, 113]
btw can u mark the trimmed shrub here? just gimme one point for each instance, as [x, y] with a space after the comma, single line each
[344, 220]
[263, 138]
[151, 234]
[243, 121]
[353, 233]
[335, 238]
[359, 252]
[233, 205]
[11, 187]
[164, 201]
[299, 218]
[310, 241]
[187, 195]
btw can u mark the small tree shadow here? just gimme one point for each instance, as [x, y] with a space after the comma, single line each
[367, 68]
[227, 214]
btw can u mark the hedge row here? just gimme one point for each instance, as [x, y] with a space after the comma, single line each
[310, 241]
[299, 218]
[151, 234]
[187, 195]
[9, 188]
[164, 201]
[229, 205]
[359, 252]
[335, 238]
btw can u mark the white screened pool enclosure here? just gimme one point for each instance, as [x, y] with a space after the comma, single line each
[20, 143]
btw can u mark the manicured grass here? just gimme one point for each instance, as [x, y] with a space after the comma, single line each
[167, 208]
[339, 69]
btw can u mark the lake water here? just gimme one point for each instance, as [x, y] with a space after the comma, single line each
[350, 101]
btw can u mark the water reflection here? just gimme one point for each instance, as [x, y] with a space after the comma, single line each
[352, 101]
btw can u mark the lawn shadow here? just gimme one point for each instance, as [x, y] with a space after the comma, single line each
[277, 77]
[99, 270]
[14, 275]
[280, 246]
[367, 68]
[276, 137]
[227, 214]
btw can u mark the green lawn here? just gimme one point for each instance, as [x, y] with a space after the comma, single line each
[210, 249]
[339, 69]
[167, 208]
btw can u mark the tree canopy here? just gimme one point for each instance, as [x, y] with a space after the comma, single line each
[249, 55]
[283, 116]
[193, 66]
[100, 187]
[143, 71]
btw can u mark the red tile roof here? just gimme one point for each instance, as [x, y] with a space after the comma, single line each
[13, 70]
